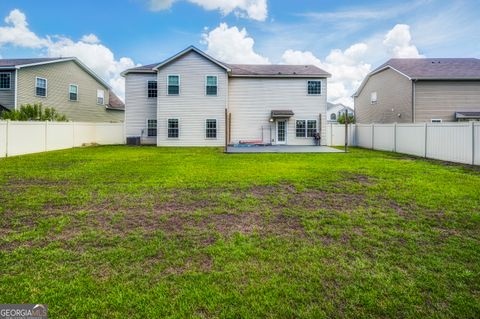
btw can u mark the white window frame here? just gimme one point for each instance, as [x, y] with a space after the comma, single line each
[179, 81]
[155, 128]
[321, 88]
[148, 81]
[216, 129]
[373, 97]
[206, 77]
[103, 96]
[69, 86]
[9, 83]
[436, 120]
[178, 128]
[306, 127]
[46, 86]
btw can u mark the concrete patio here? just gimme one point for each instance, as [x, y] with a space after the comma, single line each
[283, 149]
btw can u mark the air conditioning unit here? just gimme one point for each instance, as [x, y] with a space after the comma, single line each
[133, 140]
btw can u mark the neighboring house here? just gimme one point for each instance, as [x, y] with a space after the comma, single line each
[420, 90]
[335, 110]
[65, 84]
[192, 99]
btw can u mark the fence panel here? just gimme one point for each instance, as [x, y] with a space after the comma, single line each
[3, 139]
[477, 143]
[336, 134]
[364, 135]
[384, 137]
[59, 136]
[450, 142]
[26, 138]
[18, 138]
[410, 139]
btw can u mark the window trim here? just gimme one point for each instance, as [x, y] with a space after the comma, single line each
[46, 86]
[156, 127]
[168, 77]
[372, 101]
[321, 89]
[9, 82]
[436, 121]
[306, 127]
[69, 96]
[206, 82]
[334, 115]
[178, 128]
[151, 97]
[99, 90]
[216, 128]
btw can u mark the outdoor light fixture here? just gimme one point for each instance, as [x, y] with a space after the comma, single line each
[271, 119]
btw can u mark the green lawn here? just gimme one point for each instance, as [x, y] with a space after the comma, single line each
[151, 232]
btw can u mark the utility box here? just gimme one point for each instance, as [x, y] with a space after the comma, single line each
[133, 140]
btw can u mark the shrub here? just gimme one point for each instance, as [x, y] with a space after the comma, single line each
[341, 119]
[34, 112]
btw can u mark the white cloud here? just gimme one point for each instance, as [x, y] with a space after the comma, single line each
[398, 43]
[253, 9]
[347, 68]
[16, 32]
[89, 50]
[232, 45]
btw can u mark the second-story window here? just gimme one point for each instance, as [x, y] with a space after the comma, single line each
[211, 85]
[5, 80]
[152, 89]
[101, 97]
[41, 87]
[173, 85]
[314, 87]
[73, 92]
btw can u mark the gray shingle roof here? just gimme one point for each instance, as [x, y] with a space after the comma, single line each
[143, 68]
[276, 70]
[436, 68]
[114, 102]
[15, 62]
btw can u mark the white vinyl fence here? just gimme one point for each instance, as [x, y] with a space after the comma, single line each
[17, 138]
[454, 142]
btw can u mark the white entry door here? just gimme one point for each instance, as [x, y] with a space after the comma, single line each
[282, 131]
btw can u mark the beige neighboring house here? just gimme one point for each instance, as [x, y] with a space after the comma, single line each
[420, 90]
[65, 84]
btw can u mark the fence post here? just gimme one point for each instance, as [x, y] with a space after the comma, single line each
[395, 137]
[473, 143]
[425, 143]
[6, 138]
[373, 136]
[46, 136]
[73, 134]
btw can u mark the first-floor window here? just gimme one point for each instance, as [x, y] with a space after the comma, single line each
[5, 79]
[333, 117]
[211, 128]
[41, 87]
[151, 127]
[436, 120]
[73, 92]
[173, 129]
[305, 128]
[100, 97]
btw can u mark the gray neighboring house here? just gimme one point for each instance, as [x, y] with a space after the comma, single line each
[420, 90]
[192, 99]
[335, 110]
[65, 84]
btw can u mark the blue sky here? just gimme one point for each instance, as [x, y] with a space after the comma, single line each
[348, 38]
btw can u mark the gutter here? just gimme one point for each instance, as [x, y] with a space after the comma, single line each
[414, 109]
[16, 90]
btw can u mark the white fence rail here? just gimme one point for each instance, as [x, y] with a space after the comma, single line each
[454, 142]
[18, 138]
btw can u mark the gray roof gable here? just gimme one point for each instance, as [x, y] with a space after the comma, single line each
[19, 62]
[435, 68]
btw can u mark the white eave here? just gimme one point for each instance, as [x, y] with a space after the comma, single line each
[360, 88]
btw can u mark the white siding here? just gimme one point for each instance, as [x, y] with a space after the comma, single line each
[192, 106]
[138, 106]
[251, 101]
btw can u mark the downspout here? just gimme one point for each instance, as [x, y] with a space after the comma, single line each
[413, 102]
[16, 90]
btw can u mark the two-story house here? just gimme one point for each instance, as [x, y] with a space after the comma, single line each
[420, 90]
[65, 84]
[192, 99]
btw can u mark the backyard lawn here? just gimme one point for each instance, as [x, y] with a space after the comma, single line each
[150, 232]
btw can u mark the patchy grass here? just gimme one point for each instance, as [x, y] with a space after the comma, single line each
[192, 232]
